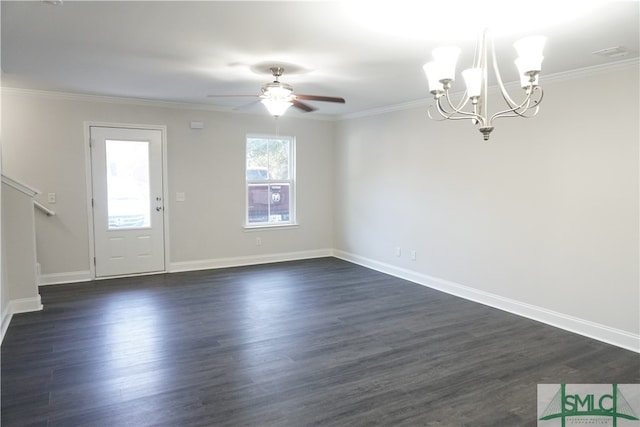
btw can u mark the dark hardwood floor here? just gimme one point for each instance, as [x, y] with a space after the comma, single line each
[315, 342]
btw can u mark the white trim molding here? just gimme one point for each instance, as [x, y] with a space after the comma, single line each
[181, 266]
[208, 264]
[123, 100]
[89, 187]
[60, 278]
[609, 335]
[22, 305]
[21, 187]
[613, 336]
[72, 96]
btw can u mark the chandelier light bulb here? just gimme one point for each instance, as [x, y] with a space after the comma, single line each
[473, 80]
[525, 80]
[433, 77]
[529, 65]
[446, 57]
[530, 47]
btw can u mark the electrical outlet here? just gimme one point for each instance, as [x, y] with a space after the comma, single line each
[258, 241]
[413, 255]
[398, 251]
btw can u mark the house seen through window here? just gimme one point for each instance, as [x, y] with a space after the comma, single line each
[270, 180]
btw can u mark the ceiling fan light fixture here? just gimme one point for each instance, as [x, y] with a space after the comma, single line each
[277, 90]
[277, 97]
[276, 107]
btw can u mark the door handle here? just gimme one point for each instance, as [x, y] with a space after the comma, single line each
[158, 208]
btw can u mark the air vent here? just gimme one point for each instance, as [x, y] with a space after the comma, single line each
[615, 52]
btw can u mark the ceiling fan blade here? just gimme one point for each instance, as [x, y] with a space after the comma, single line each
[246, 106]
[321, 98]
[306, 108]
[232, 96]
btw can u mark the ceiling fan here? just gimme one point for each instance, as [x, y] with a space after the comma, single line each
[278, 96]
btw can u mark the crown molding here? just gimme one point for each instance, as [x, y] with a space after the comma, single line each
[141, 102]
[73, 96]
[594, 70]
[423, 102]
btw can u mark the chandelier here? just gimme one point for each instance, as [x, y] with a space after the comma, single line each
[441, 74]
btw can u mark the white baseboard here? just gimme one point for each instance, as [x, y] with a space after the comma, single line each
[609, 335]
[69, 277]
[208, 264]
[22, 305]
[6, 319]
[617, 337]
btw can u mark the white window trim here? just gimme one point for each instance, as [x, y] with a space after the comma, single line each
[293, 221]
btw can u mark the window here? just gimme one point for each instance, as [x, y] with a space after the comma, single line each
[270, 177]
[128, 184]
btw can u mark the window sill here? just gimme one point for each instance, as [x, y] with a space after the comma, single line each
[263, 227]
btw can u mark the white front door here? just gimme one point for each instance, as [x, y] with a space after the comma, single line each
[128, 205]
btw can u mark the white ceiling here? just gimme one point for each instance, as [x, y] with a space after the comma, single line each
[369, 52]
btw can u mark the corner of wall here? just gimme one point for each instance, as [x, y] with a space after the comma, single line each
[23, 305]
[609, 335]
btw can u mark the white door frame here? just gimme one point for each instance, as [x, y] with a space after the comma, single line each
[89, 188]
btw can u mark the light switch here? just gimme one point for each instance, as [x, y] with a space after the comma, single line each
[180, 197]
[51, 198]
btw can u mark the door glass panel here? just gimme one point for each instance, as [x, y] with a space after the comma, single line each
[128, 184]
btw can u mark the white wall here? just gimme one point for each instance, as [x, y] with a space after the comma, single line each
[19, 272]
[4, 304]
[44, 144]
[541, 220]
[20, 284]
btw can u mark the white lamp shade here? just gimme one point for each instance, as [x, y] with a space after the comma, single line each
[473, 80]
[525, 80]
[528, 65]
[433, 77]
[446, 57]
[530, 46]
[276, 107]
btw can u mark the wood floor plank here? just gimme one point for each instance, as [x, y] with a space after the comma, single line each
[315, 342]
